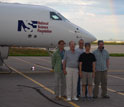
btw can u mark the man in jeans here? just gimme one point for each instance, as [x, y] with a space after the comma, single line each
[70, 68]
[102, 65]
[80, 50]
[57, 65]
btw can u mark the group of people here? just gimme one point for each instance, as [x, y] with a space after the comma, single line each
[79, 67]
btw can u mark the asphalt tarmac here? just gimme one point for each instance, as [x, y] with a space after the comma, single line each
[26, 88]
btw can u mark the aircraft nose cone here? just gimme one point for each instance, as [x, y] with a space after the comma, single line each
[93, 38]
[85, 35]
[88, 37]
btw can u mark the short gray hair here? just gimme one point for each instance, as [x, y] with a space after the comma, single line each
[71, 42]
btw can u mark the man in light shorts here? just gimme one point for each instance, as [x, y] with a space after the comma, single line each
[87, 69]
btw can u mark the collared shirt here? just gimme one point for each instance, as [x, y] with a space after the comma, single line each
[62, 56]
[57, 60]
[101, 59]
[80, 50]
[71, 58]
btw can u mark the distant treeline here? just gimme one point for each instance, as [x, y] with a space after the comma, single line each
[111, 42]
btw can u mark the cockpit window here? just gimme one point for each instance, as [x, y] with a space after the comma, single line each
[54, 16]
[63, 18]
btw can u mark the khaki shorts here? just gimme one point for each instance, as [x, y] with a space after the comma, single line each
[87, 78]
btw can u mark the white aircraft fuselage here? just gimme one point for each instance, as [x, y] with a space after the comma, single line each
[36, 26]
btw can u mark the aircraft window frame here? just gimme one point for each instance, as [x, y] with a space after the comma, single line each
[60, 15]
[54, 16]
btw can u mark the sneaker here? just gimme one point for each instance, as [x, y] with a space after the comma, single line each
[64, 96]
[78, 96]
[68, 99]
[75, 98]
[90, 98]
[57, 98]
[84, 98]
[106, 96]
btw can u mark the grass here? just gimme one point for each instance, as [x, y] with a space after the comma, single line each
[117, 54]
[27, 52]
[40, 52]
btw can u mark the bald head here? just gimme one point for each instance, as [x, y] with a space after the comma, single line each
[81, 43]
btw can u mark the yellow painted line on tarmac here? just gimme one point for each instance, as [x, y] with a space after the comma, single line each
[116, 77]
[41, 85]
[120, 93]
[116, 71]
[29, 78]
[33, 64]
[111, 90]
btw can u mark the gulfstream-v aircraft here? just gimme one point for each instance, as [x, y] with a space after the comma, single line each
[35, 26]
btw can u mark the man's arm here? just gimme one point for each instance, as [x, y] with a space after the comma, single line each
[94, 64]
[107, 62]
[64, 67]
[53, 60]
[64, 63]
[80, 69]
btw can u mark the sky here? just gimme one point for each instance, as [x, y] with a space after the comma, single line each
[102, 18]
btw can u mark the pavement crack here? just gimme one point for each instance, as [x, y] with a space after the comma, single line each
[42, 94]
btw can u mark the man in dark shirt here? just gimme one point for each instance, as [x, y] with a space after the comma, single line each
[87, 69]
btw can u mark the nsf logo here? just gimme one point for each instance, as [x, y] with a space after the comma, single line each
[31, 26]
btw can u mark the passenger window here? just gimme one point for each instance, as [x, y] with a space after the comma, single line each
[54, 16]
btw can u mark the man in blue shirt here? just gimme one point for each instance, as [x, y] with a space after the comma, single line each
[102, 65]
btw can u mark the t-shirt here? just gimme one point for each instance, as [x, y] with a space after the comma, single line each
[87, 60]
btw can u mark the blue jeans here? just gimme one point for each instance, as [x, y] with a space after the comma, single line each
[78, 86]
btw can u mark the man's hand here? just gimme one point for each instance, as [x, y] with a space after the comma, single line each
[81, 74]
[93, 74]
[64, 72]
[108, 68]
